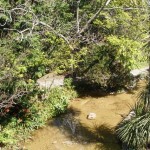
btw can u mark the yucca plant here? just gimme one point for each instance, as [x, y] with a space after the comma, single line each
[135, 133]
[144, 100]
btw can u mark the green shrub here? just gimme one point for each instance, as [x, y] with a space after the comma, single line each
[18, 127]
[58, 100]
[109, 64]
[68, 83]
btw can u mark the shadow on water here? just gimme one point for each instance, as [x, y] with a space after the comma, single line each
[84, 89]
[102, 136]
[106, 136]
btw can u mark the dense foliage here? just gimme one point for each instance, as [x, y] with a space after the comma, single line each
[20, 120]
[135, 132]
[97, 40]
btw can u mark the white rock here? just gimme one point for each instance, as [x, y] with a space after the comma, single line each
[130, 116]
[68, 142]
[91, 116]
[137, 72]
[111, 93]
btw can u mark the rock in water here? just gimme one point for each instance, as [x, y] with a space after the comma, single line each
[130, 116]
[91, 116]
[55, 142]
[68, 142]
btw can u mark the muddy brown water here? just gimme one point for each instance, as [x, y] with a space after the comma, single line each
[74, 131]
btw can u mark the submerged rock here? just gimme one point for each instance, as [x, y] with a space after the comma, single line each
[68, 142]
[91, 116]
[54, 142]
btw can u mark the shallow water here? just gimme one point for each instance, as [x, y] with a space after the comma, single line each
[74, 131]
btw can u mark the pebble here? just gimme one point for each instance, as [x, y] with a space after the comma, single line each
[91, 116]
[85, 143]
[54, 142]
[67, 142]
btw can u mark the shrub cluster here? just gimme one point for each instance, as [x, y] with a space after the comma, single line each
[25, 117]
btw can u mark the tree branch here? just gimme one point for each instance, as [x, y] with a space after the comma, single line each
[78, 25]
[58, 34]
[94, 16]
[9, 102]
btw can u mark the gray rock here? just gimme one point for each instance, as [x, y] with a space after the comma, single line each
[130, 116]
[138, 72]
[91, 116]
[50, 80]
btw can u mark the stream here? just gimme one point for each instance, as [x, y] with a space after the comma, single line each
[74, 131]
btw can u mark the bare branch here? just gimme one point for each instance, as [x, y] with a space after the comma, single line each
[35, 22]
[94, 16]
[58, 34]
[20, 32]
[10, 102]
[78, 25]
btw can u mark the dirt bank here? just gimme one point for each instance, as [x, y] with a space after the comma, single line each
[74, 131]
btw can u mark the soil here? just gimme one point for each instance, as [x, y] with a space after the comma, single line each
[74, 131]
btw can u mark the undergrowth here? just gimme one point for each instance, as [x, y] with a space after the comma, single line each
[15, 128]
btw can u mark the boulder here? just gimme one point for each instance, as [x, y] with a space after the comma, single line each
[51, 80]
[138, 72]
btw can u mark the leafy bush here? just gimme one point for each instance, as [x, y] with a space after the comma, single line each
[109, 64]
[28, 116]
[40, 36]
[58, 100]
